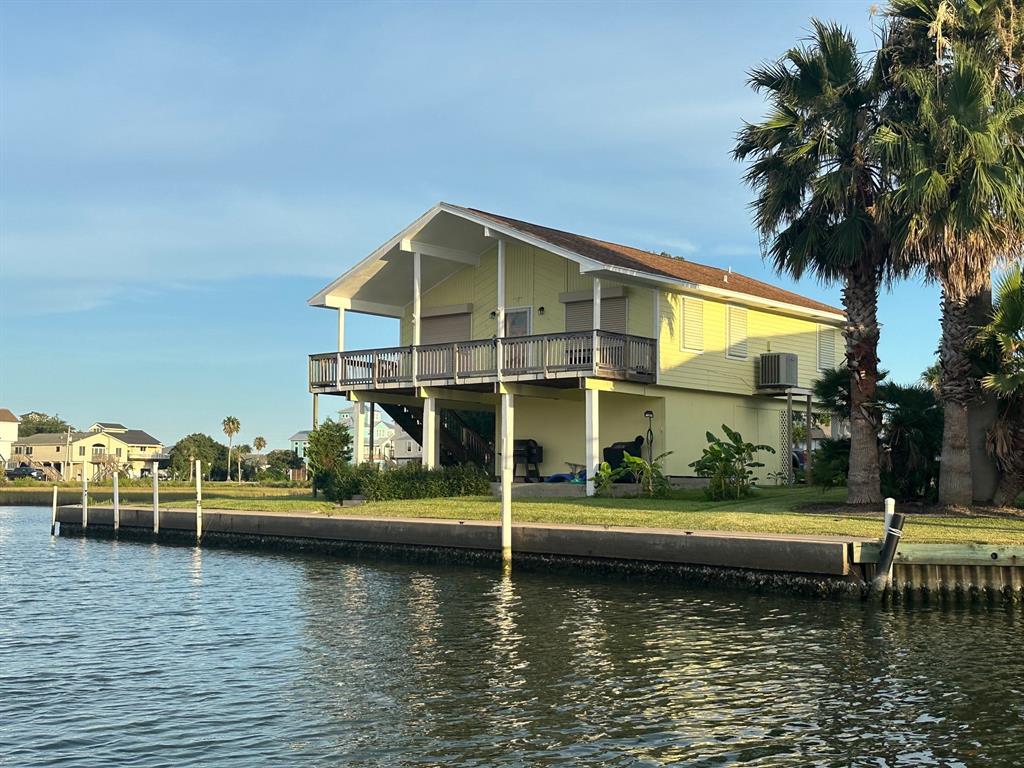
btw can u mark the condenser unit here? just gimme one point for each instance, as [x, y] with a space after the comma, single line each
[778, 369]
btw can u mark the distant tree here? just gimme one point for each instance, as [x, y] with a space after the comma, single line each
[34, 422]
[259, 443]
[329, 452]
[231, 427]
[240, 453]
[197, 446]
[282, 460]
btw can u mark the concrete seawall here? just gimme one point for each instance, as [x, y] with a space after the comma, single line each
[820, 564]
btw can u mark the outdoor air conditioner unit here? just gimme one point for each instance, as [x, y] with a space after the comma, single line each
[778, 369]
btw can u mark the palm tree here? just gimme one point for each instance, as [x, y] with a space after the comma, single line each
[955, 146]
[817, 179]
[1003, 340]
[231, 427]
[259, 443]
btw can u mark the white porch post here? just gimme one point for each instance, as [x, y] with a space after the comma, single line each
[507, 467]
[499, 314]
[595, 341]
[593, 447]
[430, 458]
[359, 427]
[597, 303]
[416, 290]
[341, 329]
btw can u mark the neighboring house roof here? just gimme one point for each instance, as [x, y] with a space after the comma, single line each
[300, 437]
[6, 415]
[628, 257]
[136, 437]
[377, 284]
[109, 425]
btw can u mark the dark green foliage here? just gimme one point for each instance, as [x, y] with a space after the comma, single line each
[831, 463]
[214, 456]
[409, 481]
[328, 453]
[729, 465]
[279, 462]
[34, 423]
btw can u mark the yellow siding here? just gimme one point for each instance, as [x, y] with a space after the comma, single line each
[533, 278]
[711, 369]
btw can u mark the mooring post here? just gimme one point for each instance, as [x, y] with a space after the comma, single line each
[156, 497]
[117, 504]
[85, 499]
[199, 500]
[53, 516]
[890, 510]
[887, 554]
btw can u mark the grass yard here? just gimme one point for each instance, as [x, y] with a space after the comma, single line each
[772, 510]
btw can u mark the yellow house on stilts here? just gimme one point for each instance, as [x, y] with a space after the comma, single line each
[522, 342]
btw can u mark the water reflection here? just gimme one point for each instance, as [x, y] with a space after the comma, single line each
[179, 656]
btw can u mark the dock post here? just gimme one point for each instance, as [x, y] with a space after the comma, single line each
[156, 497]
[893, 532]
[507, 468]
[890, 510]
[199, 500]
[117, 504]
[53, 515]
[85, 499]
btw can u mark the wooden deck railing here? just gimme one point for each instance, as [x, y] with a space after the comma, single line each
[602, 354]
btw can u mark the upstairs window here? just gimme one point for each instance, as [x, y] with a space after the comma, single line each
[826, 348]
[692, 339]
[81, 450]
[736, 333]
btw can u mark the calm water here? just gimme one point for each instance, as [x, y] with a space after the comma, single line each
[128, 654]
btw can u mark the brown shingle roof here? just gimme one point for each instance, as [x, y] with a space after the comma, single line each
[6, 415]
[624, 256]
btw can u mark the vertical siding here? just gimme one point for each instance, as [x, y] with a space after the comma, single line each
[711, 369]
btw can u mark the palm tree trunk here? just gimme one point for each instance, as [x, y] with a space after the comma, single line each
[1011, 485]
[956, 390]
[230, 438]
[860, 297]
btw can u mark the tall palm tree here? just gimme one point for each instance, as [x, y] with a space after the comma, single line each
[1003, 339]
[816, 175]
[231, 427]
[954, 144]
[259, 443]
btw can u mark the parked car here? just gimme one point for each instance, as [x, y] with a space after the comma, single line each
[35, 474]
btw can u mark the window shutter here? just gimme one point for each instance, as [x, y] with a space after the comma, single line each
[693, 325]
[826, 348]
[444, 328]
[579, 315]
[737, 333]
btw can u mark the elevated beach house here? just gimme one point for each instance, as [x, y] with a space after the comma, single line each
[105, 448]
[532, 351]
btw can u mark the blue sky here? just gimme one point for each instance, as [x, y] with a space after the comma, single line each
[176, 179]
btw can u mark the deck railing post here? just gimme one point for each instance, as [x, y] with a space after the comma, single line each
[199, 500]
[117, 503]
[337, 371]
[53, 515]
[156, 497]
[455, 361]
[595, 342]
[85, 498]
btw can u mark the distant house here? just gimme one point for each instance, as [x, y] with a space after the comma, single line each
[404, 448]
[8, 435]
[105, 448]
[384, 433]
[299, 443]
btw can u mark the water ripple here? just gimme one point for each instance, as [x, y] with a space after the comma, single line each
[118, 653]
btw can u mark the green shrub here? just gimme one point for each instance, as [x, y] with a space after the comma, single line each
[729, 465]
[831, 463]
[409, 481]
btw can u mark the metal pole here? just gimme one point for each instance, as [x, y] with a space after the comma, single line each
[507, 448]
[117, 503]
[156, 497]
[199, 500]
[53, 516]
[85, 499]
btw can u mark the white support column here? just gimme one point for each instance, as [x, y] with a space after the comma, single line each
[417, 285]
[341, 329]
[430, 443]
[597, 303]
[499, 311]
[507, 467]
[593, 447]
[156, 496]
[358, 430]
[596, 342]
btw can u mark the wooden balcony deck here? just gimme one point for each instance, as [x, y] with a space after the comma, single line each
[598, 354]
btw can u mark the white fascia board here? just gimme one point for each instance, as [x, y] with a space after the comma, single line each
[776, 306]
[319, 299]
[439, 251]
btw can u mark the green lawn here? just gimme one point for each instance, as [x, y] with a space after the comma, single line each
[770, 511]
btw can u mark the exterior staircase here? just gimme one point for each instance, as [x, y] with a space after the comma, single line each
[460, 442]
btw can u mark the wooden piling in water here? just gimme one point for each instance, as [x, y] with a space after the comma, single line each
[199, 500]
[156, 497]
[117, 503]
[53, 516]
[85, 499]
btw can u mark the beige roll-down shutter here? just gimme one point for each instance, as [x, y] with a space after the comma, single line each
[439, 329]
[579, 315]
